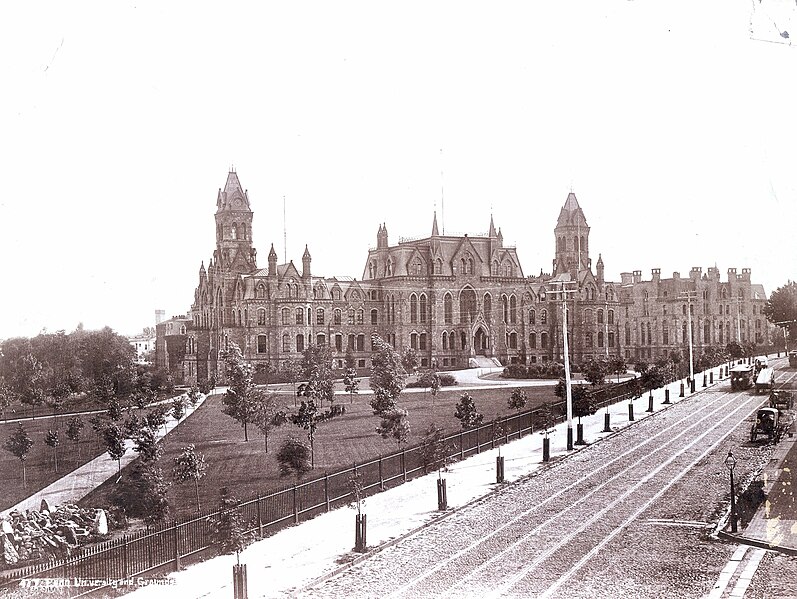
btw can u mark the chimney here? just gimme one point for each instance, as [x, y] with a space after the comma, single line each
[695, 273]
[655, 274]
[625, 278]
[637, 276]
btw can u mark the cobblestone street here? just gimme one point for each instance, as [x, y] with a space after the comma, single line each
[633, 515]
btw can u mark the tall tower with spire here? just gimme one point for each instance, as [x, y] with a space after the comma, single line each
[234, 249]
[572, 238]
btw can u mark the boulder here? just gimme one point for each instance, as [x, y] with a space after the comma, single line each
[6, 527]
[10, 555]
[100, 523]
[45, 506]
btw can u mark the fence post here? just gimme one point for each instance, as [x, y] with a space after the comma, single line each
[404, 465]
[259, 517]
[326, 486]
[295, 506]
[461, 447]
[176, 537]
[125, 568]
[381, 478]
[478, 445]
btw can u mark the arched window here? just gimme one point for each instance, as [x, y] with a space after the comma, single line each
[544, 317]
[374, 316]
[243, 231]
[532, 316]
[544, 340]
[350, 344]
[600, 316]
[414, 340]
[260, 291]
[286, 316]
[234, 231]
[532, 340]
[336, 294]
[338, 342]
[422, 342]
[467, 305]
[707, 332]
[422, 308]
[262, 344]
[448, 309]
[488, 307]
[360, 342]
[438, 266]
[360, 316]
[413, 308]
[336, 316]
[463, 338]
[512, 309]
[299, 315]
[495, 267]
[299, 342]
[513, 340]
[505, 308]
[611, 317]
[351, 316]
[445, 340]
[321, 339]
[286, 342]
[319, 316]
[650, 336]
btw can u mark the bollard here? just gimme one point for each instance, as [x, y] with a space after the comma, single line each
[580, 434]
[650, 403]
[606, 423]
[692, 386]
[711, 377]
[239, 581]
[666, 396]
[569, 438]
[630, 411]
[546, 449]
[705, 380]
[499, 469]
[442, 497]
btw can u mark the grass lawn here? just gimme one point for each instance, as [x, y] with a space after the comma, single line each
[248, 470]
[39, 466]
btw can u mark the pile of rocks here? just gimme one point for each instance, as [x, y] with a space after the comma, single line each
[48, 533]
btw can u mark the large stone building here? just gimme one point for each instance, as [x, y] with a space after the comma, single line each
[456, 300]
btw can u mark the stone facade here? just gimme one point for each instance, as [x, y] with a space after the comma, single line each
[456, 300]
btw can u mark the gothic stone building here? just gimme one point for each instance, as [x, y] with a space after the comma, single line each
[457, 300]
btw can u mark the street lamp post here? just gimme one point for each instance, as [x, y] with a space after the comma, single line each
[688, 296]
[569, 395]
[730, 462]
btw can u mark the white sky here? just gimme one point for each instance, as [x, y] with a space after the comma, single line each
[119, 122]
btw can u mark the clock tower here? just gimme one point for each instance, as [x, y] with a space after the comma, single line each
[234, 251]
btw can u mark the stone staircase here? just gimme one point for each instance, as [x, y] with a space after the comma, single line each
[483, 362]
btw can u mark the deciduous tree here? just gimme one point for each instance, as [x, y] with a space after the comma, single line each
[74, 431]
[351, 383]
[308, 418]
[317, 370]
[190, 465]
[466, 412]
[387, 376]
[230, 533]
[781, 307]
[293, 457]
[239, 399]
[395, 424]
[19, 444]
[517, 399]
[52, 440]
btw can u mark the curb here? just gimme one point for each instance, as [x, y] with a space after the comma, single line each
[741, 539]
[555, 461]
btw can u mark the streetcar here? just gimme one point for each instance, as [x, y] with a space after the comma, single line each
[741, 376]
[765, 379]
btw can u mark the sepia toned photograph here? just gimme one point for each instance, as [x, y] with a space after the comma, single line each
[410, 300]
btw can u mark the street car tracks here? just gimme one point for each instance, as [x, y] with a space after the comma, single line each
[616, 486]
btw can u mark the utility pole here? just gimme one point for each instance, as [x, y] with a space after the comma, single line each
[689, 296]
[564, 290]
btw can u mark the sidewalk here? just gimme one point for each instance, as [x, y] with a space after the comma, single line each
[78, 483]
[774, 526]
[294, 558]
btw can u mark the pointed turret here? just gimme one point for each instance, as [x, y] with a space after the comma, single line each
[572, 238]
[435, 232]
[492, 232]
[234, 227]
[306, 263]
[599, 268]
[381, 237]
[500, 238]
[272, 262]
